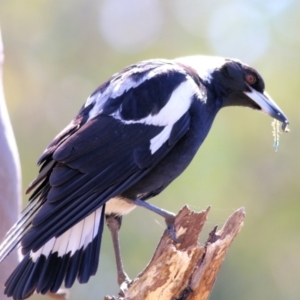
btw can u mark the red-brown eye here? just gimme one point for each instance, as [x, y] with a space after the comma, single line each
[250, 78]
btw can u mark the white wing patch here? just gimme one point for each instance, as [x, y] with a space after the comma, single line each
[124, 81]
[176, 106]
[174, 109]
[158, 140]
[77, 237]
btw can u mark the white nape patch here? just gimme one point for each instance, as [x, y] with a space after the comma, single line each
[77, 237]
[122, 82]
[119, 206]
[175, 108]
[158, 140]
[204, 65]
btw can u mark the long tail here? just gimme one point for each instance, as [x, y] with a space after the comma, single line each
[74, 254]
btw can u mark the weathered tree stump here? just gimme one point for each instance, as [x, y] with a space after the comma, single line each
[185, 270]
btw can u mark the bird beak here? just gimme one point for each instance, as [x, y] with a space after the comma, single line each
[267, 105]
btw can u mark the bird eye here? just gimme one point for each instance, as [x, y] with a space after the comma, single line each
[250, 78]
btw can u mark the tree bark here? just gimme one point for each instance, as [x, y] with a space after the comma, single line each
[10, 180]
[185, 270]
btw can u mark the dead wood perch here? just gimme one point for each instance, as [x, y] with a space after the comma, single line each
[185, 271]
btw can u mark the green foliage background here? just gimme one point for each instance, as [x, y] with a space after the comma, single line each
[56, 55]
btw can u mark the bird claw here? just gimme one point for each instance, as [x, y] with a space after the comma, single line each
[124, 286]
[171, 229]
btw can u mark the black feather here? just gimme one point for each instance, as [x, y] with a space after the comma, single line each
[90, 257]
[58, 280]
[180, 128]
[72, 269]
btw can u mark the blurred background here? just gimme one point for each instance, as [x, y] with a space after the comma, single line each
[58, 52]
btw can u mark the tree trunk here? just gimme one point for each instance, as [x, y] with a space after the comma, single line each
[185, 271]
[10, 181]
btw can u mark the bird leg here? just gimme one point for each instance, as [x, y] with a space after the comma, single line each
[168, 216]
[114, 224]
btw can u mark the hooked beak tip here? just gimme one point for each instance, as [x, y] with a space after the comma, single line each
[285, 125]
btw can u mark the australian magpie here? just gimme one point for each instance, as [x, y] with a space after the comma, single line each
[133, 136]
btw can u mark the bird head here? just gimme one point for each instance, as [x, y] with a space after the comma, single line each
[242, 85]
[235, 84]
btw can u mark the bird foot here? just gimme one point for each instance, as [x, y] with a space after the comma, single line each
[168, 216]
[171, 228]
[124, 283]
